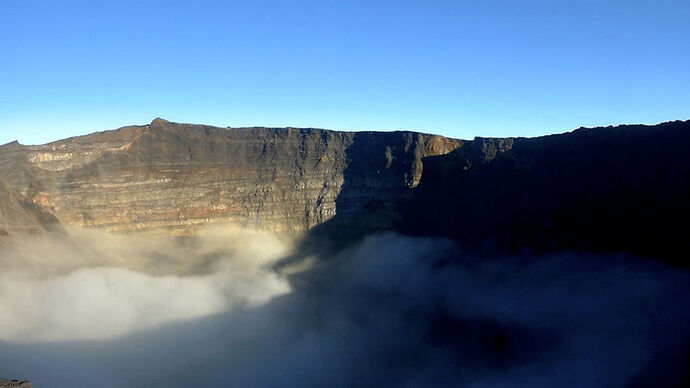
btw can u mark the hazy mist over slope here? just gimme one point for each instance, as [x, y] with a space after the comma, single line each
[95, 285]
[108, 310]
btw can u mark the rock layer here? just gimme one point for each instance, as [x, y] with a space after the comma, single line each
[174, 177]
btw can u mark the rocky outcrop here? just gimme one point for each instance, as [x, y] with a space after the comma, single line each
[174, 177]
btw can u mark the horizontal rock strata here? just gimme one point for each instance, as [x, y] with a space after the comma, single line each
[174, 177]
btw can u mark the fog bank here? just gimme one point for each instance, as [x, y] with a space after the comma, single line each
[96, 285]
[390, 310]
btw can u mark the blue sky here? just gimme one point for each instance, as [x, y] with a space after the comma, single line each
[458, 68]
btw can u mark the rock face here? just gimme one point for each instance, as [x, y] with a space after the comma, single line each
[604, 190]
[174, 177]
[608, 189]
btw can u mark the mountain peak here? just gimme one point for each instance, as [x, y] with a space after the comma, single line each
[10, 144]
[159, 121]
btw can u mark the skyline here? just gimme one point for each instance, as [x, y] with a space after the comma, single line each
[85, 133]
[460, 70]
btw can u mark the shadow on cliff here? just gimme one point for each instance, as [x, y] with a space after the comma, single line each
[604, 190]
[376, 185]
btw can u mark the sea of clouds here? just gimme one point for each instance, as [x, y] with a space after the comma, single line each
[221, 309]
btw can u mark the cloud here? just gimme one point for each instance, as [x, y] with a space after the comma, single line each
[98, 286]
[390, 310]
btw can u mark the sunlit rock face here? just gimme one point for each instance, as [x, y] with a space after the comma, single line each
[169, 177]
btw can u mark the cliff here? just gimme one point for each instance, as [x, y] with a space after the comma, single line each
[613, 189]
[609, 190]
[173, 177]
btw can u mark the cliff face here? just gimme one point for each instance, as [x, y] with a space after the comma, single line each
[610, 190]
[605, 189]
[174, 177]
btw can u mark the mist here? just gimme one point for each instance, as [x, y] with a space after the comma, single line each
[111, 310]
[95, 285]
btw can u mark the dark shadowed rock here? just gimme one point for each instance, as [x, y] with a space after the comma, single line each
[607, 190]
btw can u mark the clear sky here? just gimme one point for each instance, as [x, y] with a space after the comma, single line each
[458, 68]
